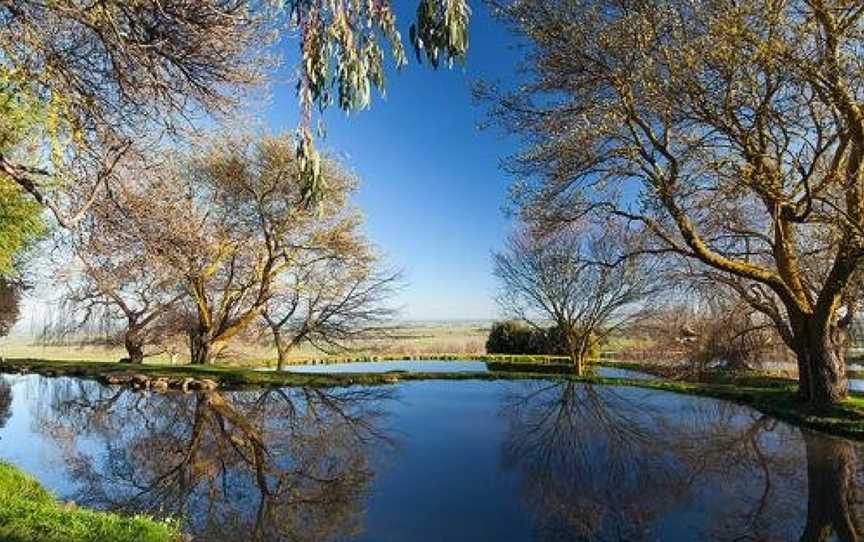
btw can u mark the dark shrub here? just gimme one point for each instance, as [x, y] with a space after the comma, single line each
[517, 337]
[511, 337]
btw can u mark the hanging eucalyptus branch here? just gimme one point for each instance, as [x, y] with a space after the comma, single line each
[342, 58]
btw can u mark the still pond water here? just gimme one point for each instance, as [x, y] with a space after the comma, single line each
[425, 366]
[435, 461]
[436, 366]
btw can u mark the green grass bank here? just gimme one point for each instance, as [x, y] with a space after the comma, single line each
[29, 512]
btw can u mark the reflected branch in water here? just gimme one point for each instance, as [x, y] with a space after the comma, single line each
[285, 464]
[606, 463]
[5, 401]
[590, 462]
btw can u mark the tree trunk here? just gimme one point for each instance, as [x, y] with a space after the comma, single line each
[821, 353]
[282, 353]
[281, 348]
[831, 491]
[200, 348]
[578, 348]
[134, 344]
[578, 362]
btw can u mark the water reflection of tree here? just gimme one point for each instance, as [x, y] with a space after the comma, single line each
[834, 499]
[613, 464]
[5, 401]
[286, 464]
[583, 463]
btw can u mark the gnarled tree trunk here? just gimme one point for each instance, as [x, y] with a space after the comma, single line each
[578, 362]
[279, 342]
[133, 341]
[200, 347]
[821, 353]
[282, 354]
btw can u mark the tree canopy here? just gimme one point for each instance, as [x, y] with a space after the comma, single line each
[109, 74]
[733, 132]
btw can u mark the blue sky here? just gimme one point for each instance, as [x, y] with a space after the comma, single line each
[431, 188]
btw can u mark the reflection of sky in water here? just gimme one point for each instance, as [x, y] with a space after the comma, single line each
[614, 372]
[463, 460]
[384, 366]
[433, 366]
[21, 442]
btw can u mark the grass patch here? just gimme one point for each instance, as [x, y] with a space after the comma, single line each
[28, 512]
[780, 401]
[546, 367]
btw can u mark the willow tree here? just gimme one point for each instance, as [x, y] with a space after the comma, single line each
[734, 131]
[342, 57]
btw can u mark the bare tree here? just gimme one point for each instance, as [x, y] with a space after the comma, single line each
[733, 132]
[115, 287]
[100, 76]
[573, 278]
[228, 223]
[338, 298]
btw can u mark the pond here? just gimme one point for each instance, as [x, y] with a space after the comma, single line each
[438, 366]
[412, 366]
[615, 372]
[434, 460]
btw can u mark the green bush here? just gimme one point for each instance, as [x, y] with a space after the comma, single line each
[28, 512]
[511, 337]
[517, 337]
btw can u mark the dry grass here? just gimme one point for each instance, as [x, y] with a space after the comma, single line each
[408, 338]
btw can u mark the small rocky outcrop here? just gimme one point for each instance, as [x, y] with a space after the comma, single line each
[159, 384]
[205, 384]
[162, 384]
[184, 384]
[115, 379]
[140, 382]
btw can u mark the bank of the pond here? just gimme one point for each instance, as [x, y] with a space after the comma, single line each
[29, 512]
[514, 358]
[769, 394]
[229, 377]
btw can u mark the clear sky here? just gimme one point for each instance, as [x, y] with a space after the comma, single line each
[431, 188]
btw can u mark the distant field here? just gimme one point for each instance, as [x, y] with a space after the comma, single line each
[414, 338]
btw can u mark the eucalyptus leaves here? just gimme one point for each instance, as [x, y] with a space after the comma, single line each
[342, 57]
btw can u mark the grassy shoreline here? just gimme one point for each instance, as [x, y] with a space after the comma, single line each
[771, 395]
[30, 512]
